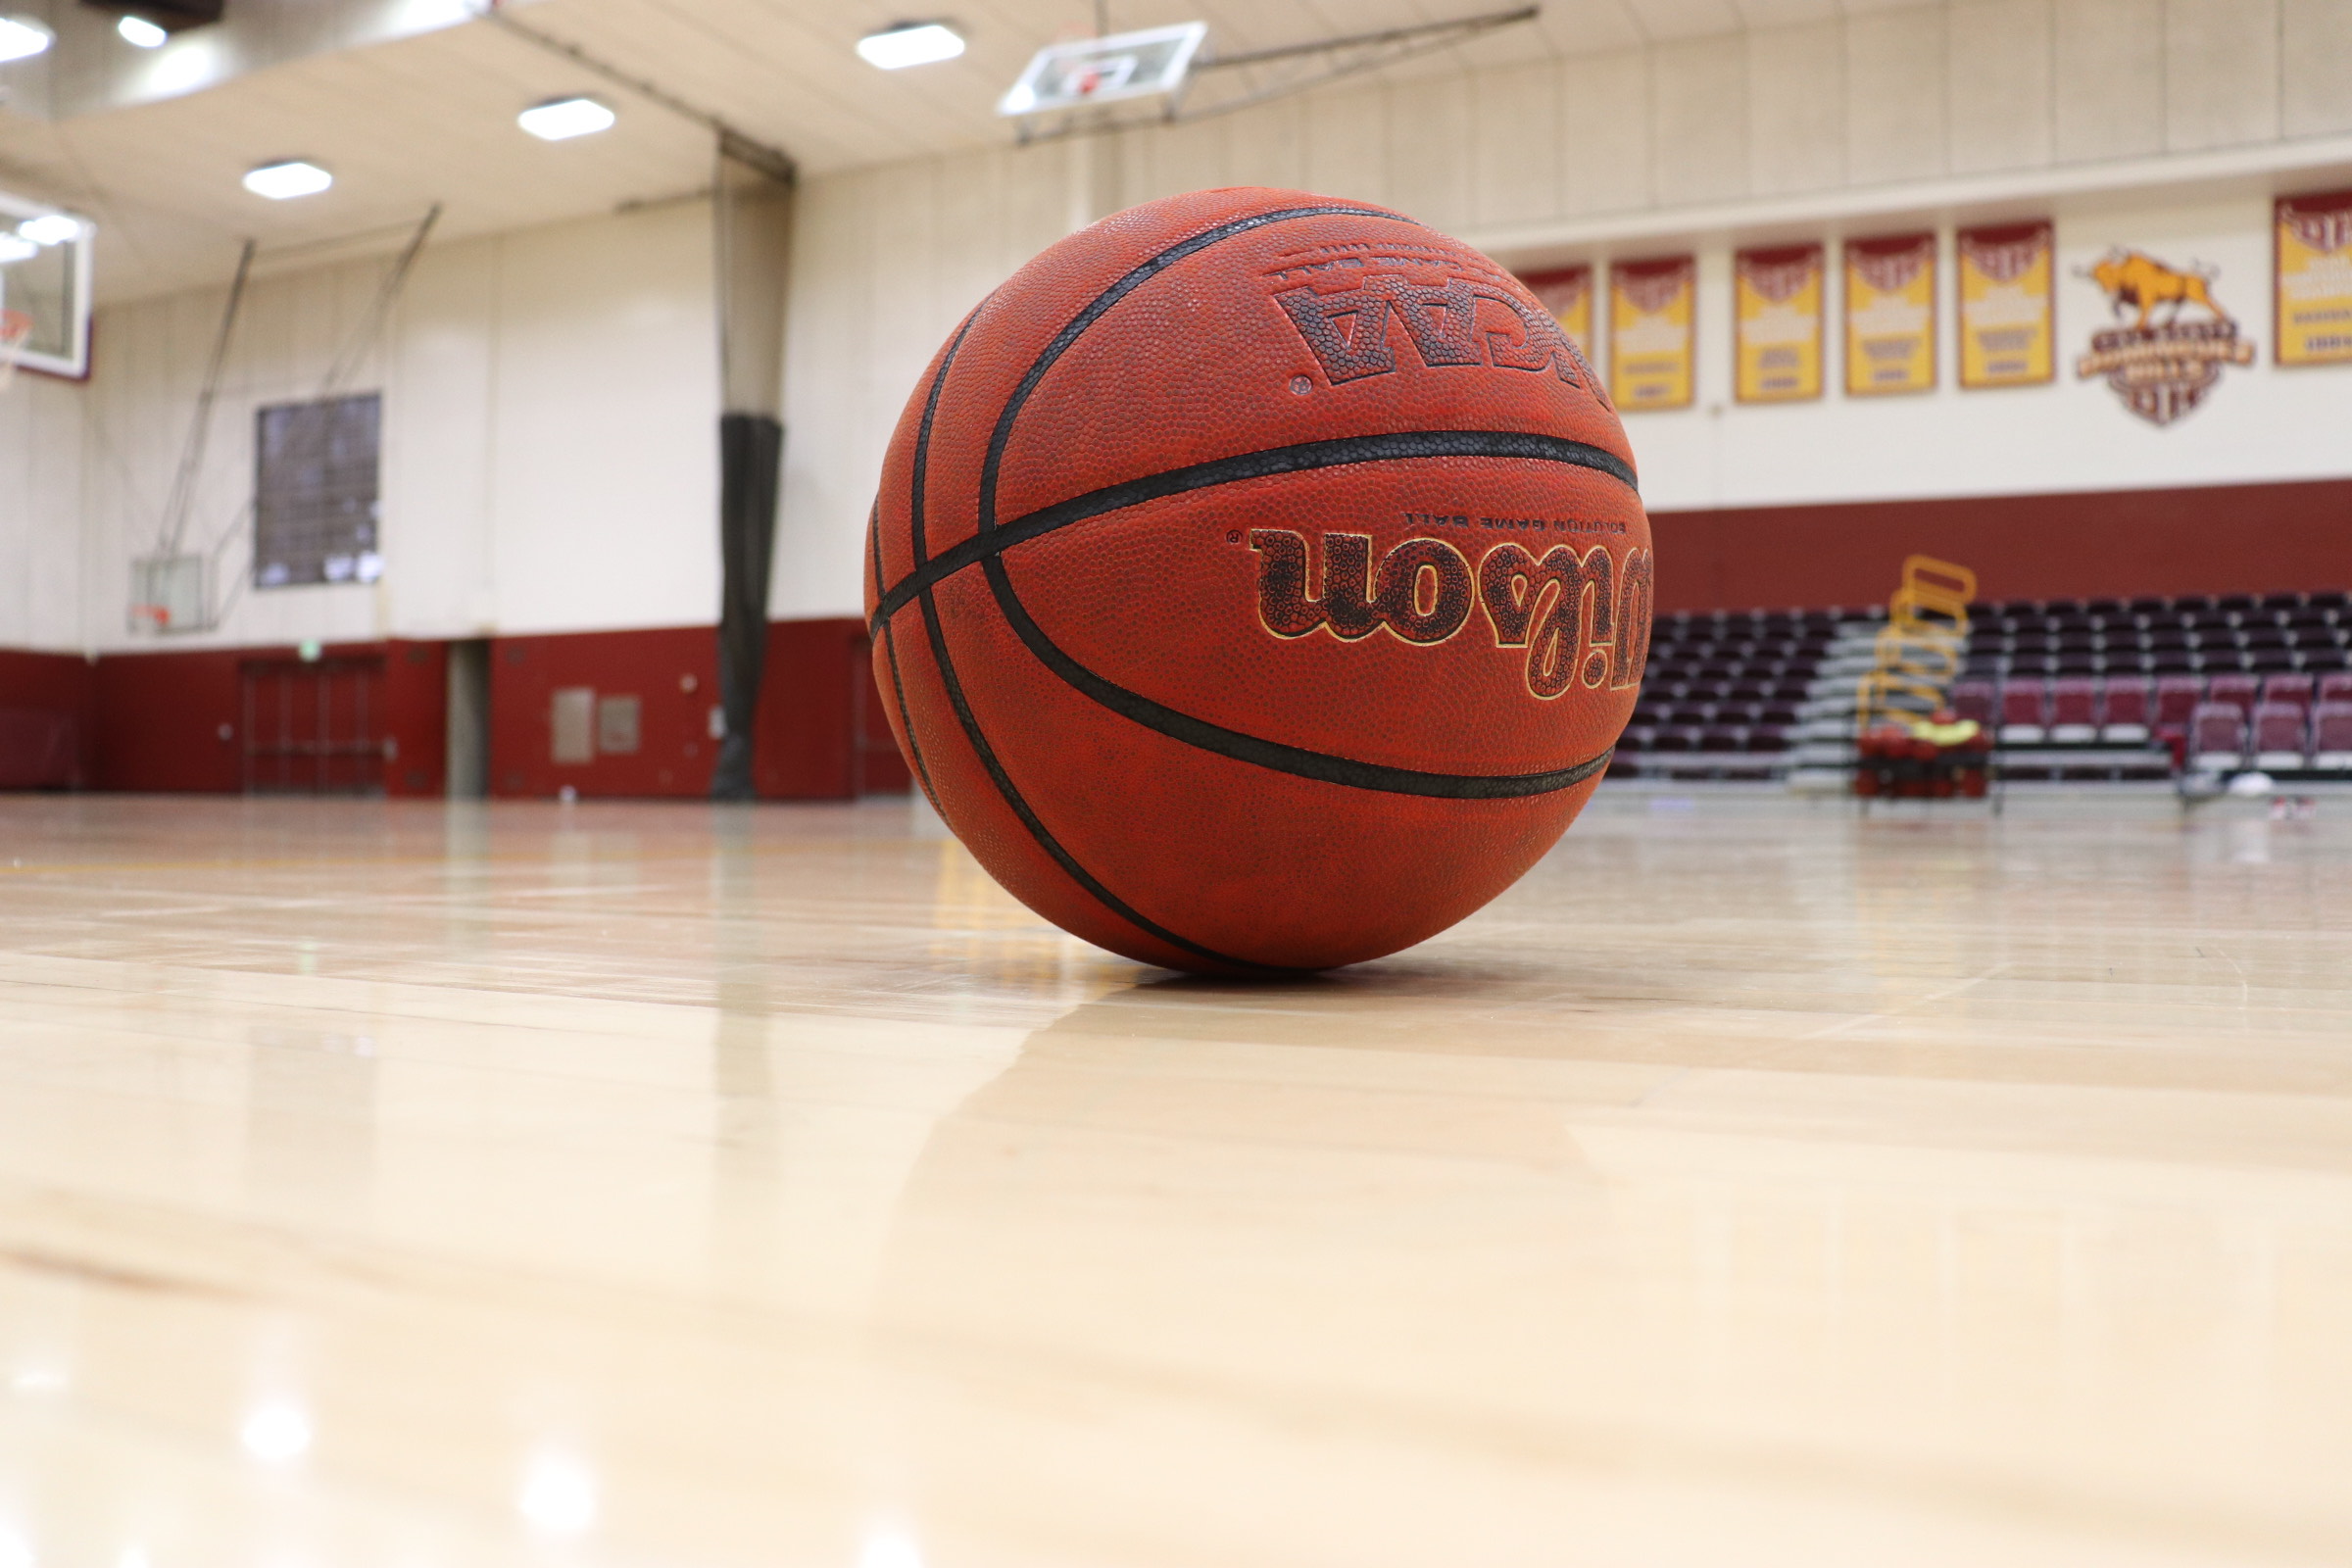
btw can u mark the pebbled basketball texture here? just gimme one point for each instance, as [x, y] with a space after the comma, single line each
[1258, 583]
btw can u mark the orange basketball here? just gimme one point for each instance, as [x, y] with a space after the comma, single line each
[1258, 583]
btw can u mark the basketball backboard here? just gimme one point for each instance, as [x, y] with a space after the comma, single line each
[45, 285]
[1087, 71]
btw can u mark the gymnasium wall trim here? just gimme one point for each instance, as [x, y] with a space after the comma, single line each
[2237, 538]
[176, 721]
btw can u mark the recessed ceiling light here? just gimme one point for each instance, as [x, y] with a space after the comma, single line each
[50, 228]
[284, 181]
[139, 32]
[560, 119]
[22, 37]
[911, 43]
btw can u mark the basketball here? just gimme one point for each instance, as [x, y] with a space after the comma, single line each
[1258, 583]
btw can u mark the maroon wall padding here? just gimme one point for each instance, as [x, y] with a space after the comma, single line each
[672, 671]
[820, 715]
[169, 720]
[416, 717]
[811, 712]
[45, 720]
[2119, 543]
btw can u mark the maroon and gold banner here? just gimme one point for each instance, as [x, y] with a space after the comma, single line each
[1776, 325]
[1890, 315]
[2312, 289]
[2007, 305]
[1651, 332]
[1567, 293]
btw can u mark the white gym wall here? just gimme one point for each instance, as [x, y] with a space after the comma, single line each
[550, 393]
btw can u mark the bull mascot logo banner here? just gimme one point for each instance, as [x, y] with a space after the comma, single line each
[2162, 368]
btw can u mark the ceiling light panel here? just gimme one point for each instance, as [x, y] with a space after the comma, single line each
[562, 119]
[50, 228]
[911, 43]
[142, 33]
[22, 37]
[287, 179]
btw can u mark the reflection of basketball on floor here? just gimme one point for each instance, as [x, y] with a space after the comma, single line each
[1258, 581]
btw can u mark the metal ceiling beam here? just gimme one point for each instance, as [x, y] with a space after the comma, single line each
[773, 162]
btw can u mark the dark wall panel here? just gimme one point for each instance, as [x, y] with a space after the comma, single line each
[416, 717]
[45, 720]
[671, 671]
[2268, 538]
[170, 721]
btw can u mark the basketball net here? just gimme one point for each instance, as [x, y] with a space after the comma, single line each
[149, 617]
[15, 330]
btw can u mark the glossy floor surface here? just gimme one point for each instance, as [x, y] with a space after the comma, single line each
[1755, 1184]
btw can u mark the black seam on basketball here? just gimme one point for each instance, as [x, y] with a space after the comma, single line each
[1197, 732]
[1292, 759]
[938, 637]
[1037, 828]
[898, 686]
[1302, 458]
[1135, 279]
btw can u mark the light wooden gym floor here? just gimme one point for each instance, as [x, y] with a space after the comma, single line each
[1754, 1184]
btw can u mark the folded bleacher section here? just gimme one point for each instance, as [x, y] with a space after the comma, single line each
[2143, 688]
[2071, 689]
[1725, 694]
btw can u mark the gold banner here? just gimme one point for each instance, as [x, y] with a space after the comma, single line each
[2314, 286]
[1777, 324]
[2006, 329]
[1567, 293]
[1890, 315]
[1650, 331]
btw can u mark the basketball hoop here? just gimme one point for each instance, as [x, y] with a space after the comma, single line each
[150, 618]
[15, 330]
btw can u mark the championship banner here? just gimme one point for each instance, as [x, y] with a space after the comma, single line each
[2314, 286]
[2006, 305]
[1776, 317]
[1567, 294]
[1890, 315]
[1650, 330]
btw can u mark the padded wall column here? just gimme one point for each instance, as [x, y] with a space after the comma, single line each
[752, 210]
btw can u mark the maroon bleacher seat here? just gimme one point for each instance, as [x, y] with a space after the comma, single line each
[2238, 689]
[2281, 738]
[2128, 714]
[2332, 737]
[2023, 712]
[2177, 698]
[2296, 689]
[2217, 736]
[2335, 688]
[2073, 712]
[1973, 699]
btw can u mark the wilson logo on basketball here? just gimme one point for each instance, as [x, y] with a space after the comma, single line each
[1459, 321]
[1583, 618]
